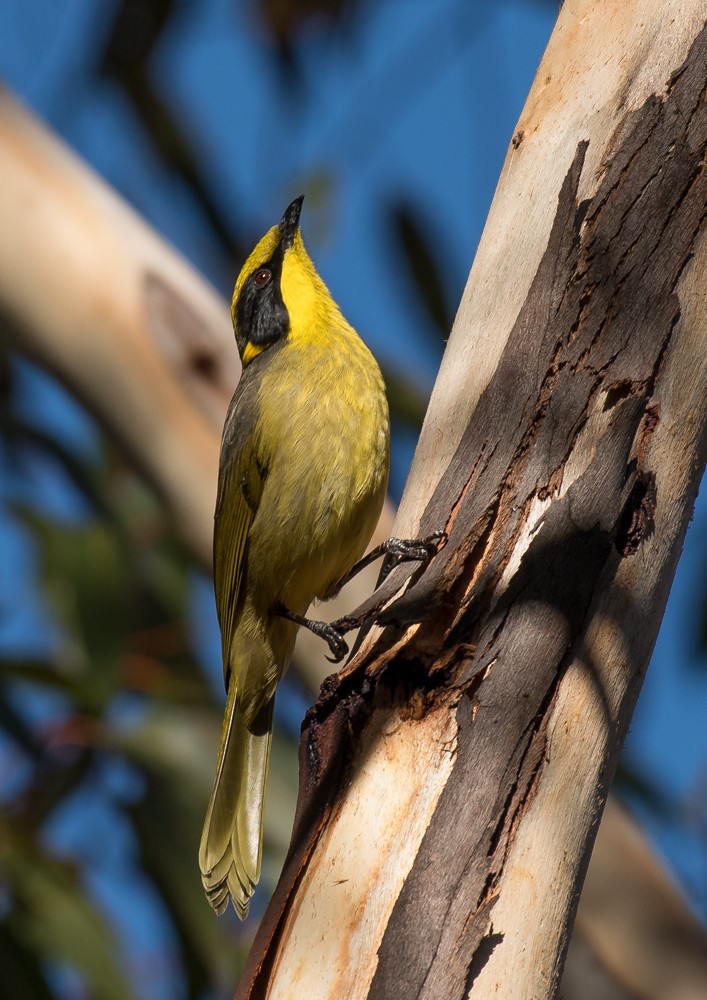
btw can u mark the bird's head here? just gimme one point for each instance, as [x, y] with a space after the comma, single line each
[278, 293]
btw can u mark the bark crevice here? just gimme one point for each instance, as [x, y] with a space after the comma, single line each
[548, 492]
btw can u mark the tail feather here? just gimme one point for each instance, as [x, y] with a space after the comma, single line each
[231, 843]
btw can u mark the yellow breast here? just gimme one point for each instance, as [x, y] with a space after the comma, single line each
[323, 422]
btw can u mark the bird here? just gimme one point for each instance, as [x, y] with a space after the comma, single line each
[303, 474]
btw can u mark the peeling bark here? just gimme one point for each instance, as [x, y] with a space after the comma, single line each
[519, 652]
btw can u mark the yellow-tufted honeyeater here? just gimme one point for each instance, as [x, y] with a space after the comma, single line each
[302, 478]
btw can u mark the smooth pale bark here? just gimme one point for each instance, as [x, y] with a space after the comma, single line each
[97, 297]
[453, 775]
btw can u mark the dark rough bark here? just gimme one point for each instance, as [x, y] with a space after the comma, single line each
[596, 325]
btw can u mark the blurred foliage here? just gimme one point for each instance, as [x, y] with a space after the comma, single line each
[136, 32]
[50, 916]
[131, 697]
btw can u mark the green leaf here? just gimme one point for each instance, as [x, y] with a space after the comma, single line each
[52, 917]
[87, 584]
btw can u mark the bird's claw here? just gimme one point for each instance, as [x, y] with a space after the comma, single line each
[337, 644]
[415, 549]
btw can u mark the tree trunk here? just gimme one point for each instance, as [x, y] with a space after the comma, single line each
[453, 774]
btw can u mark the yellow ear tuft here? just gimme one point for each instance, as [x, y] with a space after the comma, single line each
[252, 351]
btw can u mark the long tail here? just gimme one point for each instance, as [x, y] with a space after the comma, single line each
[232, 840]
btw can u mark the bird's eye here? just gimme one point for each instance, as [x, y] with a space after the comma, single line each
[262, 277]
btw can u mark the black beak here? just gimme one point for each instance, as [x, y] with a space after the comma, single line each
[289, 223]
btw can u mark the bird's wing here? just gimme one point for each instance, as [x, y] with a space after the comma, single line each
[239, 490]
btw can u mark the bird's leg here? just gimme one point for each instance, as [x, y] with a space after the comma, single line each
[395, 550]
[329, 632]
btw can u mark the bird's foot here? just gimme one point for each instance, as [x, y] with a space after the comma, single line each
[330, 632]
[395, 550]
[421, 549]
[398, 550]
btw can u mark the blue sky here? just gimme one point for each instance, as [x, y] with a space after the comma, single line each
[415, 102]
